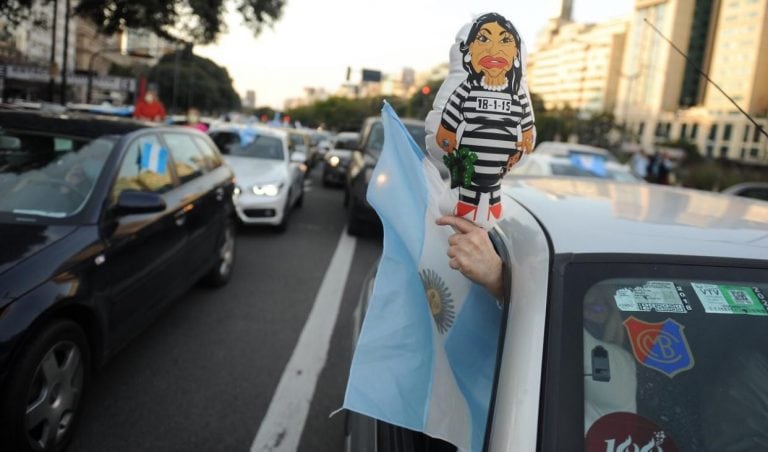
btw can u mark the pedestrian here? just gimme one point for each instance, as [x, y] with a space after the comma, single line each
[639, 164]
[659, 168]
[149, 108]
[193, 120]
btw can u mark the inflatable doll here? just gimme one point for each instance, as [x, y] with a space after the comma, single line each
[487, 123]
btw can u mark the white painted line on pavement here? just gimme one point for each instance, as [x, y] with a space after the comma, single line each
[284, 422]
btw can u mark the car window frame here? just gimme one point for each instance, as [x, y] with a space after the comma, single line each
[172, 160]
[562, 396]
[118, 164]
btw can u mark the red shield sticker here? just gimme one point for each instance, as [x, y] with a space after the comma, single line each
[627, 432]
[662, 346]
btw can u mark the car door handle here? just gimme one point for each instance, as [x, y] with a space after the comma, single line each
[219, 194]
[180, 217]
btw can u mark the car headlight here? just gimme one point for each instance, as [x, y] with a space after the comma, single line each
[236, 192]
[267, 189]
[334, 161]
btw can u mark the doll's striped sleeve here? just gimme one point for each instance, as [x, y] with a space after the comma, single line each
[452, 114]
[527, 120]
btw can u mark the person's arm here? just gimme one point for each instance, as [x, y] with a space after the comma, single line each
[471, 252]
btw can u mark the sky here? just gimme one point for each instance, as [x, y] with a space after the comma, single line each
[315, 41]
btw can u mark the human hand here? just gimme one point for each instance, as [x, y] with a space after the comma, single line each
[471, 252]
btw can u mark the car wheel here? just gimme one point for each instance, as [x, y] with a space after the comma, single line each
[354, 225]
[45, 388]
[221, 271]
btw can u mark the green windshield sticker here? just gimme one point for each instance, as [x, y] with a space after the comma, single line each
[721, 299]
[658, 296]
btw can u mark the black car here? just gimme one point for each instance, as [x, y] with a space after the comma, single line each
[102, 223]
[336, 160]
[361, 216]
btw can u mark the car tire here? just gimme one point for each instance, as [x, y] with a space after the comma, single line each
[221, 271]
[354, 225]
[53, 401]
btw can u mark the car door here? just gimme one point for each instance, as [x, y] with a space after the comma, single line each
[144, 257]
[295, 172]
[199, 198]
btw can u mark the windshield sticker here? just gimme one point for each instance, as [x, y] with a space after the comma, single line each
[153, 158]
[659, 296]
[627, 432]
[660, 345]
[721, 299]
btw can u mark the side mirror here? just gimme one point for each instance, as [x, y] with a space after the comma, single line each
[133, 202]
[298, 157]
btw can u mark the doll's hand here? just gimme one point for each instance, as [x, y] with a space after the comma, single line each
[471, 252]
[526, 145]
[446, 139]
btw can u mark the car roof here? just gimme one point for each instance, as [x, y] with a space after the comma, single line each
[586, 216]
[69, 124]
[564, 149]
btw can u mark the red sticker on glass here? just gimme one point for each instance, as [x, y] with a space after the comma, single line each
[627, 432]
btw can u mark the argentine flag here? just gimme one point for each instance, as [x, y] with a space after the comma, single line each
[154, 158]
[425, 357]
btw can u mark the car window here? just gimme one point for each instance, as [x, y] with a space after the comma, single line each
[297, 142]
[225, 141]
[755, 193]
[676, 359]
[211, 155]
[564, 169]
[145, 167]
[188, 160]
[47, 175]
[375, 139]
[262, 147]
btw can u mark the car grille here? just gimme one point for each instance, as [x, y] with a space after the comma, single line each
[259, 213]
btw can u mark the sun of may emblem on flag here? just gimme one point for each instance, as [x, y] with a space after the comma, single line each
[439, 298]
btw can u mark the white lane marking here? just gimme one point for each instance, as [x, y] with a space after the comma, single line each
[284, 422]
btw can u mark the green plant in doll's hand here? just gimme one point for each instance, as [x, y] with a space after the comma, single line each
[461, 164]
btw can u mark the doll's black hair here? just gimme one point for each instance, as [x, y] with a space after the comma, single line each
[515, 74]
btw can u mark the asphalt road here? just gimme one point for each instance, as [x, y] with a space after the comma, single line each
[202, 376]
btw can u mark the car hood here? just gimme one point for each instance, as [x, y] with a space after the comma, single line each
[250, 170]
[21, 241]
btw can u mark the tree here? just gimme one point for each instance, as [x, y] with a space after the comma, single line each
[187, 20]
[200, 83]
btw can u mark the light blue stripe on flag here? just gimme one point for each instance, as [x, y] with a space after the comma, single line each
[154, 158]
[477, 327]
[392, 366]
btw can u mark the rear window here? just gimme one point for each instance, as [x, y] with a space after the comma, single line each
[46, 175]
[262, 147]
[674, 357]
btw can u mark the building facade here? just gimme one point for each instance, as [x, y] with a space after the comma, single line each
[577, 65]
[664, 97]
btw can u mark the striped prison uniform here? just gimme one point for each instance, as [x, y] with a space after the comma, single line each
[489, 123]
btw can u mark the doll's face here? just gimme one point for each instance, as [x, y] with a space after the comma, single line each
[493, 50]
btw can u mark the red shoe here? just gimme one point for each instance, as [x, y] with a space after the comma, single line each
[463, 209]
[494, 210]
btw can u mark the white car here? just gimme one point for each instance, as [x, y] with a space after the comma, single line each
[635, 319]
[580, 165]
[270, 179]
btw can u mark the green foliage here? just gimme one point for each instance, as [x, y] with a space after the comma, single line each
[199, 21]
[200, 83]
[720, 174]
[340, 113]
[420, 104]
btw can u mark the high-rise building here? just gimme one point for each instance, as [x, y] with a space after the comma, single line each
[250, 99]
[577, 65]
[663, 96]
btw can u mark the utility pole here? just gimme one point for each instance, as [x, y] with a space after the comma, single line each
[66, 53]
[52, 68]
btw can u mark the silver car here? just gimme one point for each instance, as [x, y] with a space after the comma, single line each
[635, 320]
